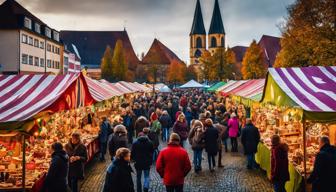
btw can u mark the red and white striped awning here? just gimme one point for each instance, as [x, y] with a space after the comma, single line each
[99, 90]
[249, 89]
[122, 88]
[24, 96]
[129, 86]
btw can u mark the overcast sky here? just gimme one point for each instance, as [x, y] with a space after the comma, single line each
[168, 20]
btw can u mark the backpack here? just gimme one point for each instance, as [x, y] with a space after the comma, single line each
[199, 136]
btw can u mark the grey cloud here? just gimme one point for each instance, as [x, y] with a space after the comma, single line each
[168, 20]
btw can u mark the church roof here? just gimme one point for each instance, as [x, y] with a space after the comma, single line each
[92, 44]
[198, 24]
[216, 26]
[239, 52]
[270, 46]
[159, 54]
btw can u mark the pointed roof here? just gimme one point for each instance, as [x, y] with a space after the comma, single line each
[271, 47]
[216, 26]
[159, 54]
[92, 44]
[12, 13]
[198, 25]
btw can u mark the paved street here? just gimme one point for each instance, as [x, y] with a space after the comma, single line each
[233, 177]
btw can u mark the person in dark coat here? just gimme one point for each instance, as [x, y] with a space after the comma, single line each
[56, 178]
[142, 155]
[166, 123]
[225, 137]
[221, 131]
[105, 131]
[117, 140]
[279, 164]
[323, 175]
[211, 143]
[77, 153]
[250, 139]
[188, 115]
[181, 128]
[197, 142]
[119, 173]
[141, 123]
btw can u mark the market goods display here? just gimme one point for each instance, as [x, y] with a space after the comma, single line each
[287, 123]
[57, 127]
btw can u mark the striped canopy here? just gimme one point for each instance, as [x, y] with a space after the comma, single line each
[252, 89]
[99, 90]
[122, 88]
[24, 96]
[216, 86]
[311, 88]
[231, 85]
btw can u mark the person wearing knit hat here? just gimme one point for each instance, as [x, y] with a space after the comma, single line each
[173, 164]
[196, 139]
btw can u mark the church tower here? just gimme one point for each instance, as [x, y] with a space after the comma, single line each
[197, 35]
[216, 35]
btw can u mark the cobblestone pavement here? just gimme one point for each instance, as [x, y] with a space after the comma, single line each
[234, 177]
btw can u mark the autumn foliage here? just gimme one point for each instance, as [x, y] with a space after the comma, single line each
[176, 72]
[253, 66]
[309, 35]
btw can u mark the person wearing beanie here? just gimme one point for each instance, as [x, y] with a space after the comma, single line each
[173, 164]
[142, 155]
[211, 143]
[197, 142]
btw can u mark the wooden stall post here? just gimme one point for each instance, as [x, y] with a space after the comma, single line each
[23, 163]
[304, 153]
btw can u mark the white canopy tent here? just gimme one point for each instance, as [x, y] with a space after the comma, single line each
[192, 84]
[165, 89]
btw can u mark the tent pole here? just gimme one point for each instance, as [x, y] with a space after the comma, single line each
[304, 152]
[23, 163]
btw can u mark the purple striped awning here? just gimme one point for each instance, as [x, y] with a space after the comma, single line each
[313, 88]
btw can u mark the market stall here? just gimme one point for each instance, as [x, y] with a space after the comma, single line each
[26, 104]
[214, 87]
[299, 104]
[191, 84]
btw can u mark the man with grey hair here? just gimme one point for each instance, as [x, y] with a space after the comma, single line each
[324, 171]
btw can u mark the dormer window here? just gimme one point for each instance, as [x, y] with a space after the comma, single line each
[56, 36]
[37, 28]
[48, 32]
[28, 23]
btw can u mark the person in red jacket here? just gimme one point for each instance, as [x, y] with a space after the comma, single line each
[173, 164]
[279, 164]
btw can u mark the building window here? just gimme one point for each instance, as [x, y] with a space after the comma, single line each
[36, 42]
[24, 38]
[222, 42]
[53, 48]
[24, 59]
[41, 44]
[30, 61]
[48, 47]
[28, 23]
[37, 28]
[198, 42]
[198, 53]
[213, 42]
[56, 36]
[48, 63]
[57, 50]
[36, 63]
[48, 32]
[53, 64]
[41, 62]
[30, 40]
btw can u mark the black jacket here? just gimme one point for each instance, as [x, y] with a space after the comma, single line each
[119, 177]
[250, 139]
[142, 153]
[56, 179]
[165, 121]
[116, 141]
[76, 169]
[211, 140]
[323, 175]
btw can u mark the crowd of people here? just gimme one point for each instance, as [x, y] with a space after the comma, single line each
[150, 122]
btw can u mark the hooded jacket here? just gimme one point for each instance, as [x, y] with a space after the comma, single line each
[279, 163]
[142, 153]
[56, 179]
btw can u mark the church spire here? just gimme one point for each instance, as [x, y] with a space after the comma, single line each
[216, 26]
[198, 25]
